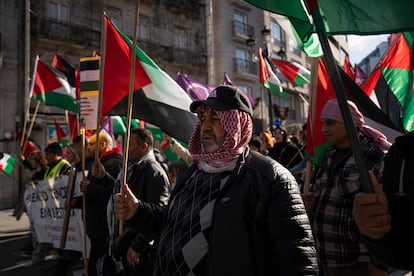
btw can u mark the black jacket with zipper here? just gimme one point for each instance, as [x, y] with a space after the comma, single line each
[259, 224]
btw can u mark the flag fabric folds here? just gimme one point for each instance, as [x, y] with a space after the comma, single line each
[51, 87]
[296, 74]
[160, 100]
[196, 90]
[348, 68]
[396, 69]
[7, 163]
[268, 77]
[117, 67]
[61, 136]
[344, 17]
[316, 145]
[73, 78]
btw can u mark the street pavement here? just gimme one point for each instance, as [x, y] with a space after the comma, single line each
[14, 236]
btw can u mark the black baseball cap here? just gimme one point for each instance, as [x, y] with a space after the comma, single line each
[225, 97]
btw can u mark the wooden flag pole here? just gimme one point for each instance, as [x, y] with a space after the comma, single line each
[343, 106]
[85, 244]
[27, 115]
[68, 207]
[29, 132]
[312, 108]
[130, 104]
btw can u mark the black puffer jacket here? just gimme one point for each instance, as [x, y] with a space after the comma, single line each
[98, 193]
[259, 225]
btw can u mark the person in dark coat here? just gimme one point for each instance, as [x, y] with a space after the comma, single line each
[283, 151]
[98, 189]
[236, 212]
[147, 180]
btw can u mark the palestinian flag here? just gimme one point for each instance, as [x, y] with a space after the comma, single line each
[7, 163]
[344, 17]
[51, 87]
[316, 146]
[62, 137]
[348, 68]
[268, 77]
[73, 77]
[296, 74]
[159, 101]
[394, 74]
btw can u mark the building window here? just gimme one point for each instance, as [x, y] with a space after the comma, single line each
[246, 89]
[242, 62]
[143, 29]
[293, 47]
[115, 15]
[240, 26]
[180, 39]
[58, 10]
[276, 34]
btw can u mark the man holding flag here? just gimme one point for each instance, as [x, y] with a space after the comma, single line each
[340, 249]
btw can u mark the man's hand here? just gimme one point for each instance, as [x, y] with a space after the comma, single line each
[98, 170]
[133, 257]
[371, 212]
[126, 205]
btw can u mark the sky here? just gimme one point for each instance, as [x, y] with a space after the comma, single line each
[361, 46]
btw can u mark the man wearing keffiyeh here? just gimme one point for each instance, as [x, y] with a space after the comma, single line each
[236, 212]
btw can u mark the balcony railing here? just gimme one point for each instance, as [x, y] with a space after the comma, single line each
[241, 29]
[64, 31]
[187, 6]
[185, 56]
[245, 66]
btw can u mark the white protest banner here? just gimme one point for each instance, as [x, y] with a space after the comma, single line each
[45, 204]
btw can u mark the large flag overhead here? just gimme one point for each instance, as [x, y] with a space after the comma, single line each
[160, 101]
[345, 17]
[52, 88]
[117, 67]
[7, 163]
[396, 68]
[296, 74]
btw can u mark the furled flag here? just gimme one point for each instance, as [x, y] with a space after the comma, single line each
[196, 90]
[348, 68]
[61, 136]
[160, 101]
[227, 81]
[344, 17]
[268, 78]
[51, 87]
[73, 78]
[7, 163]
[396, 68]
[296, 74]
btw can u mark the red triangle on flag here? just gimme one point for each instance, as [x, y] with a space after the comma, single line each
[45, 79]
[117, 68]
